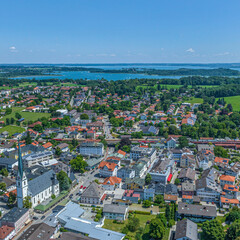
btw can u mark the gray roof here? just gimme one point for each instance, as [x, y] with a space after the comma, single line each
[113, 208]
[74, 236]
[93, 191]
[38, 231]
[187, 173]
[42, 182]
[186, 228]
[7, 161]
[187, 186]
[199, 210]
[14, 215]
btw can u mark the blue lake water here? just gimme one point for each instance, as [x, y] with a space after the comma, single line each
[119, 76]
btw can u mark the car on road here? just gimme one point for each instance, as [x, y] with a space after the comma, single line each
[84, 188]
[42, 217]
[35, 218]
[71, 196]
[81, 187]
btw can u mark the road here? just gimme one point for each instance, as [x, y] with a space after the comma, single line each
[107, 127]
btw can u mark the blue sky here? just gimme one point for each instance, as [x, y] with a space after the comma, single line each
[119, 31]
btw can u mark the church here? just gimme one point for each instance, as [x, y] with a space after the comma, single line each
[39, 189]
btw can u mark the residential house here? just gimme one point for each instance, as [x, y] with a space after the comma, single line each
[108, 169]
[110, 183]
[186, 230]
[131, 196]
[187, 174]
[64, 147]
[171, 142]
[126, 172]
[6, 232]
[115, 212]
[92, 194]
[226, 179]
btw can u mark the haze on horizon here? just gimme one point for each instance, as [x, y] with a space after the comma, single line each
[119, 31]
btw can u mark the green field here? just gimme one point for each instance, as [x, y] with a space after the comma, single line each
[194, 100]
[234, 101]
[26, 115]
[108, 224]
[12, 129]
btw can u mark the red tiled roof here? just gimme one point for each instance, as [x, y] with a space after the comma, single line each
[227, 178]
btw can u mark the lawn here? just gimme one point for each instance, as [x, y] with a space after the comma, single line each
[12, 129]
[26, 115]
[194, 100]
[234, 101]
[108, 224]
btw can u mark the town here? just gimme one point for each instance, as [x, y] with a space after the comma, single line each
[136, 159]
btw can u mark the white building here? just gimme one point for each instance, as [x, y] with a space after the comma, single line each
[91, 148]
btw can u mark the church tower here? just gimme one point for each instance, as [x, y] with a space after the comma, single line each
[21, 181]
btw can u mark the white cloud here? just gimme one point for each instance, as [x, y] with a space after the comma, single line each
[191, 50]
[13, 49]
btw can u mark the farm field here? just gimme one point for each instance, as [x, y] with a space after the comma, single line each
[26, 115]
[12, 129]
[234, 101]
[194, 100]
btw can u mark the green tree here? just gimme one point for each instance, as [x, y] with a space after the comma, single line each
[168, 212]
[156, 229]
[159, 199]
[213, 230]
[233, 231]
[233, 215]
[148, 178]
[3, 187]
[18, 115]
[64, 181]
[133, 224]
[78, 164]
[27, 202]
[220, 152]
[12, 199]
[58, 151]
[147, 203]
[183, 142]
[4, 172]
[84, 116]
[28, 138]
[177, 181]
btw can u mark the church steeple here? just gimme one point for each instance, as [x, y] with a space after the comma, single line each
[20, 163]
[21, 180]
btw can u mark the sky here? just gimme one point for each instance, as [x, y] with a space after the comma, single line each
[119, 31]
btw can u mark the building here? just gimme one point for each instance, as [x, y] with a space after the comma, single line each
[37, 158]
[110, 183]
[161, 170]
[92, 194]
[6, 232]
[226, 179]
[126, 172]
[70, 219]
[187, 174]
[38, 231]
[188, 188]
[16, 218]
[108, 169]
[140, 168]
[171, 142]
[143, 151]
[198, 213]
[8, 163]
[91, 148]
[38, 189]
[64, 147]
[131, 196]
[208, 190]
[115, 212]
[186, 230]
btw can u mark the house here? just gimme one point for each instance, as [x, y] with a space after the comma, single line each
[92, 163]
[196, 212]
[171, 142]
[187, 160]
[64, 147]
[47, 146]
[186, 230]
[131, 196]
[114, 159]
[115, 212]
[228, 202]
[162, 170]
[126, 172]
[232, 190]
[8, 163]
[170, 198]
[187, 174]
[39, 230]
[74, 236]
[149, 130]
[208, 190]
[110, 183]
[140, 168]
[143, 151]
[6, 232]
[90, 148]
[108, 169]
[4, 134]
[226, 179]
[148, 193]
[16, 218]
[134, 183]
[205, 159]
[92, 194]
[188, 188]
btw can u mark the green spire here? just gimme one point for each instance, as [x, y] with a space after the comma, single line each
[20, 164]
